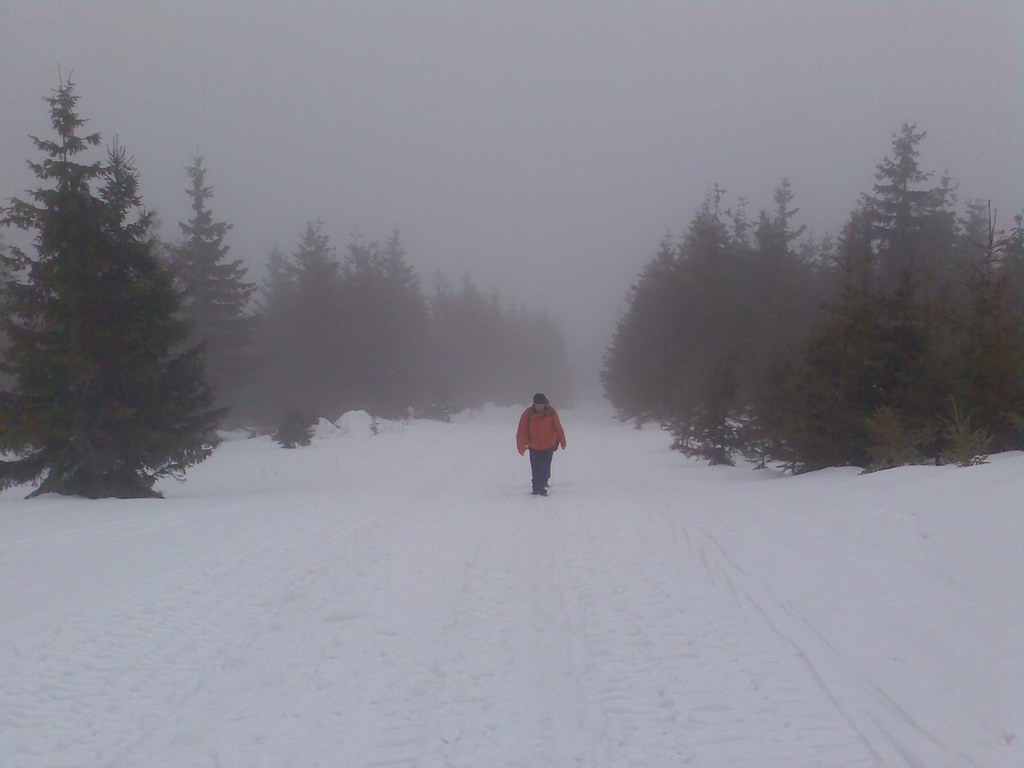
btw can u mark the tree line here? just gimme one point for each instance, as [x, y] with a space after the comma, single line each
[356, 330]
[122, 355]
[900, 341]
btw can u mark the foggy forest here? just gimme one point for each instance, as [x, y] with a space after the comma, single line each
[895, 339]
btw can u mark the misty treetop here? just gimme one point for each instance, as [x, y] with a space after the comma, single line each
[104, 396]
[901, 341]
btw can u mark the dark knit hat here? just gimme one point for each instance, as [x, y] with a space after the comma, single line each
[539, 398]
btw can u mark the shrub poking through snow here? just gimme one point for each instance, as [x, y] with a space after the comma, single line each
[296, 430]
[965, 445]
[893, 443]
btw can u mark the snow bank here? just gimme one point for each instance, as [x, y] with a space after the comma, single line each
[356, 424]
[325, 429]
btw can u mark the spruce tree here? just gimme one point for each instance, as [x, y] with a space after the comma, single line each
[710, 338]
[6, 275]
[913, 225]
[295, 431]
[301, 343]
[1013, 265]
[641, 366]
[402, 332]
[385, 319]
[104, 403]
[466, 346]
[481, 350]
[779, 294]
[992, 385]
[822, 407]
[216, 292]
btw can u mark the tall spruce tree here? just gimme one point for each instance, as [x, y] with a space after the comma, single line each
[480, 349]
[913, 224]
[822, 406]
[778, 292]
[641, 366]
[991, 388]
[6, 382]
[1013, 267]
[782, 291]
[385, 317]
[104, 403]
[710, 338]
[401, 332]
[466, 346]
[302, 360]
[216, 292]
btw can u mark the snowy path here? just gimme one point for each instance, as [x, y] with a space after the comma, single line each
[402, 600]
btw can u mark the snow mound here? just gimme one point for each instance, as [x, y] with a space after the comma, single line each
[227, 435]
[355, 424]
[362, 424]
[489, 413]
[325, 429]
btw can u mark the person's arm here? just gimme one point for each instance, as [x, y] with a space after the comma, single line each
[523, 433]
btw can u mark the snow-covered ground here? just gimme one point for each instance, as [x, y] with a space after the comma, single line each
[402, 600]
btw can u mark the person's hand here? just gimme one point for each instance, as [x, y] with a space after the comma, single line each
[522, 451]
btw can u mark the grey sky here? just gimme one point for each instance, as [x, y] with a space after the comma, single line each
[541, 147]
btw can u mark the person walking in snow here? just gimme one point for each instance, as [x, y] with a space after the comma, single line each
[541, 431]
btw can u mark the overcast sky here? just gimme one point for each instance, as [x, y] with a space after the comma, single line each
[544, 148]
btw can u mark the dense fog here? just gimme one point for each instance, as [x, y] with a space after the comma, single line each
[537, 151]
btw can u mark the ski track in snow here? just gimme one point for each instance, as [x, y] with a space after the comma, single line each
[403, 601]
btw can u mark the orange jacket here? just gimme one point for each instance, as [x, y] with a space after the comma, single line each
[539, 430]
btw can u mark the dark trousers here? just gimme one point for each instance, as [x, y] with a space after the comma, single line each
[540, 464]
